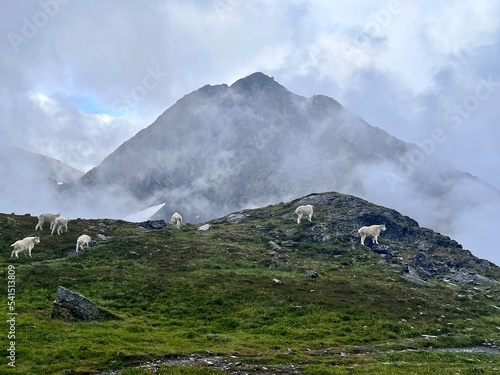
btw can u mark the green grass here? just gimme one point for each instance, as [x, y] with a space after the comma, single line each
[195, 292]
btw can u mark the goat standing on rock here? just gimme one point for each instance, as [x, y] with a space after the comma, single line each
[306, 210]
[371, 231]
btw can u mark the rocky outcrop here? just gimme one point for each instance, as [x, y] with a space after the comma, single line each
[425, 266]
[421, 253]
[74, 306]
[154, 224]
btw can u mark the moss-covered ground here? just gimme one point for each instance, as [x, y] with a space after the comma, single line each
[176, 293]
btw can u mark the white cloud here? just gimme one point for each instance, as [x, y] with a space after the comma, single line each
[398, 64]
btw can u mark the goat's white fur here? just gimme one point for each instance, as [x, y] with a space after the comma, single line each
[25, 245]
[306, 210]
[60, 225]
[83, 240]
[176, 220]
[371, 231]
[49, 217]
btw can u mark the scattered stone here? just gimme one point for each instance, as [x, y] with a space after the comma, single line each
[154, 224]
[274, 245]
[383, 250]
[411, 275]
[277, 281]
[131, 252]
[236, 218]
[290, 231]
[113, 222]
[311, 273]
[289, 243]
[102, 237]
[204, 227]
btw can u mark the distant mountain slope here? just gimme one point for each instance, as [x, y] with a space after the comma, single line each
[14, 157]
[222, 148]
[28, 181]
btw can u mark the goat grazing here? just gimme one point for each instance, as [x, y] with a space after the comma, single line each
[60, 225]
[83, 240]
[176, 220]
[372, 231]
[25, 245]
[49, 217]
[306, 210]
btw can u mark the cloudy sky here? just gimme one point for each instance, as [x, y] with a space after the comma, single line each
[78, 78]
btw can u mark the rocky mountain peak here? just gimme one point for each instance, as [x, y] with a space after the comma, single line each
[257, 82]
[223, 148]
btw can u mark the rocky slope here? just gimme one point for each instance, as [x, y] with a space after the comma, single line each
[420, 253]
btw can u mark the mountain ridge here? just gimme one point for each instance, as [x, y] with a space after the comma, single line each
[26, 176]
[222, 148]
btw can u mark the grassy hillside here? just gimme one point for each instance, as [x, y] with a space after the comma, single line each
[223, 301]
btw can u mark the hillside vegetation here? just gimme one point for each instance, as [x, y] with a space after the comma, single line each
[224, 301]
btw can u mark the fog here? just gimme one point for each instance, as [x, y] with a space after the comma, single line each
[79, 79]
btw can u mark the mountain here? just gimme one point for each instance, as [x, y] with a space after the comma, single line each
[222, 148]
[256, 293]
[29, 181]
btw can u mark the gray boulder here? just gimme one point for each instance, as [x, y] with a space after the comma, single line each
[311, 273]
[75, 306]
[383, 250]
[154, 224]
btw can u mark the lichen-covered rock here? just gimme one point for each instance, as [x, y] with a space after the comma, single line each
[79, 307]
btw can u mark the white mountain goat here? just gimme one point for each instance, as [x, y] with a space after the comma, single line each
[60, 225]
[306, 210]
[371, 231]
[176, 220]
[83, 240]
[25, 245]
[49, 217]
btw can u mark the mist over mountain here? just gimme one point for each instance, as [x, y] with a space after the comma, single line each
[222, 148]
[29, 181]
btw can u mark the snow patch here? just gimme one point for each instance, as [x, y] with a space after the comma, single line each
[143, 215]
